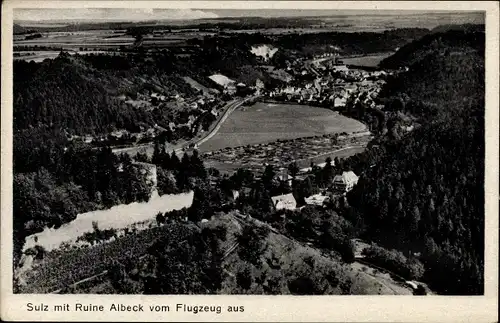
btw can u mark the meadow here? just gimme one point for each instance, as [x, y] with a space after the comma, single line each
[267, 122]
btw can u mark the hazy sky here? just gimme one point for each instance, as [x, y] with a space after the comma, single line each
[180, 14]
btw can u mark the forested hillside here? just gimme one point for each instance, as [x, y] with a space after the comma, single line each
[424, 193]
[86, 95]
[445, 42]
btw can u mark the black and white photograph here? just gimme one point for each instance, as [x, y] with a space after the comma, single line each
[195, 151]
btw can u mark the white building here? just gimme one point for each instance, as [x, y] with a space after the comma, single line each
[286, 201]
[345, 182]
[339, 102]
[317, 199]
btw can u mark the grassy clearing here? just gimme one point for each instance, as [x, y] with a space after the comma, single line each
[263, 122]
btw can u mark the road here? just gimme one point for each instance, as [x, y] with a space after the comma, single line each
[228, 109]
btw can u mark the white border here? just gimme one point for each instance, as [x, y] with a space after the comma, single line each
[270, 308]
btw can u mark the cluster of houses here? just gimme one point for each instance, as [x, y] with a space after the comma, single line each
[191, 108]
[335, 86]
[341, 184]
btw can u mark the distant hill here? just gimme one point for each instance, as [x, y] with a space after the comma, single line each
[464, 27]
[19, 30]
[437, 42]
[441, 81]
[67, 93]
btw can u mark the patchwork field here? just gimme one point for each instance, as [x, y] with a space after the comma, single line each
[103, 39]
[40, 56]
[266, 122]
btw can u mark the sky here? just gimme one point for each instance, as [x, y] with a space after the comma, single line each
[129, 14]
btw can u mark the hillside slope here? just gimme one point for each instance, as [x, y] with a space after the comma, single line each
[449, 41]
[91, 94]
[230, 254]
[425, 192]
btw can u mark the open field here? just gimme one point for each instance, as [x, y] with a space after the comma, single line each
[266, 122]
[117, 217]
[367, 60]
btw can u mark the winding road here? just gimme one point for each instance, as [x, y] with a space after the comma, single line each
[227, 110]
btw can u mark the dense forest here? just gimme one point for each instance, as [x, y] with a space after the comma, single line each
[424, 193]
[446, 42]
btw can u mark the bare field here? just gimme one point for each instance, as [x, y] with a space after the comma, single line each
[263, 122]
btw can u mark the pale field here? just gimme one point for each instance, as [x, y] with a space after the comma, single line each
[263, 123]
[117, 217]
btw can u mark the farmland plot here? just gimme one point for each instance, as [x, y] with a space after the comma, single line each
[265, 122]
